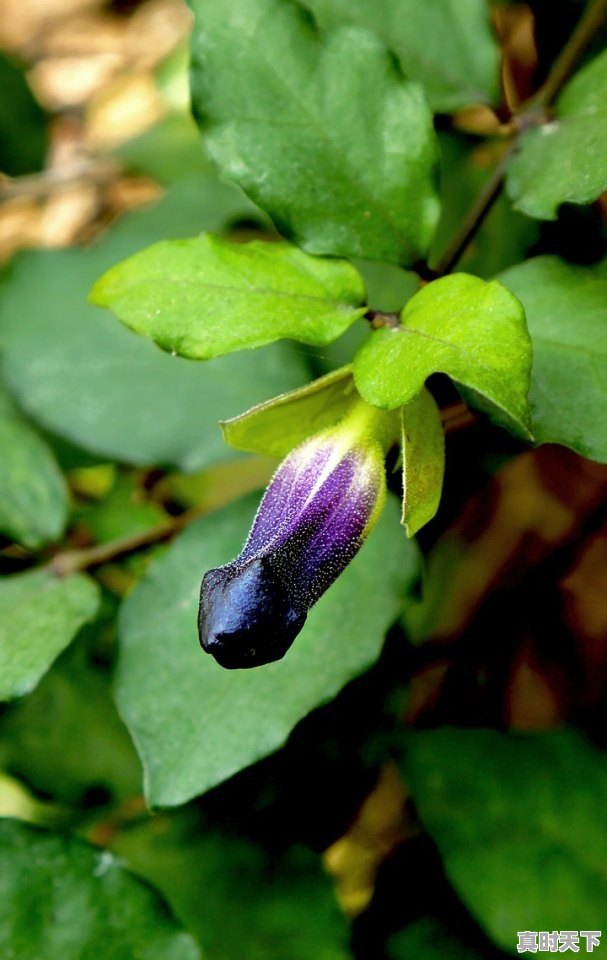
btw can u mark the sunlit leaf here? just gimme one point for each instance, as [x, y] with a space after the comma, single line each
[423, 453]
[276, 426]
[460, 325]
[204, 297]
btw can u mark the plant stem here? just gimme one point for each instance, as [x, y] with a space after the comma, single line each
[473, 219]
[568, 58]
[456, 417]
[532, 113]
[224, 483]
[50, 181]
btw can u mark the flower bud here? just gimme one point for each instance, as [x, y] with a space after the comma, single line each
[320, 505]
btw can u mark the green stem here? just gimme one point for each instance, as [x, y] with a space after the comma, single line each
[567, 60]
[474, 218]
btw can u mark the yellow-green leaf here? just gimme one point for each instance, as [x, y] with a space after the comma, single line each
[463, 326]
[204, 297]
[423, 453]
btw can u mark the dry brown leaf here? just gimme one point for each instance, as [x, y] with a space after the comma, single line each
[62, 82]
[93, 69]
[585, 588]
[155, 29]
[424, 690]
[514, 25]
[129, 193]
[515, 607]
[480, 121]
[380, 826]
[66, 214]
[584, 591]
[537, 501]
[23, 23]
[91, 32]
[123, 109]
[535, 696]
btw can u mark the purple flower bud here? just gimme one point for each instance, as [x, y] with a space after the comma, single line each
[320, 505]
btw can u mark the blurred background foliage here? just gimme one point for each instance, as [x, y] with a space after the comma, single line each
[454, 791]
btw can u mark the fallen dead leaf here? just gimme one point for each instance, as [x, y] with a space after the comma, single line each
[122, 110]
[379, 827]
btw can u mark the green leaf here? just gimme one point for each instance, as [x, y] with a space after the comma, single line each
[460, 325]
[388, 288]
[430, 939]
[194, 723]
[423, 453]
[78, 372]
[33, 494]
[39, 615]
[564, 161]
[566, 309]
[123, 512]
[204, 297]
[66, 738]
[520, 823]
[22, 123]
[278, 905]
[445, 44]
[169, 151]
[322, 131]
[276, 426]
[61, 899]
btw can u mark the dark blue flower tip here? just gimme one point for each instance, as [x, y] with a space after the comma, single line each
[315, 515]
[245, 616]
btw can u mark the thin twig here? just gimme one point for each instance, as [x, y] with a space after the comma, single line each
[457, 417]
[72, 561]
[473, 219]
[51, 181]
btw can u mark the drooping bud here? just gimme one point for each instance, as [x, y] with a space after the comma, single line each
[321, 504]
